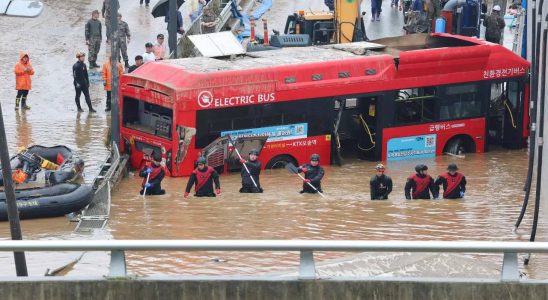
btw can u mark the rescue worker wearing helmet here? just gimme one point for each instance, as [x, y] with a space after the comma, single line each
[420, 184]
[155, 173]
[380, 184]
[254, 167]
[313, 174]
[454, 183]
[494, 25]
[81, 81]
[203, 176]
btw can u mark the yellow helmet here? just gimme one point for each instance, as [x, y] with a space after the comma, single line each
[79, 54]
[21, 149]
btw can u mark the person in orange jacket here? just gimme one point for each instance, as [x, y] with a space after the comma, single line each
[23, 71]
[107, 78]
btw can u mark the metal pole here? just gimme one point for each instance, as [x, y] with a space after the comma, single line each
[172, 27]
[13, 214]
[114, 104]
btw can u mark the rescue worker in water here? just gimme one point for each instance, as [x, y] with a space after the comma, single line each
[313, 174]
[254, 167]
[380, 184]
[154, 171]
[203, 176]
[454, 183]
[420, 185]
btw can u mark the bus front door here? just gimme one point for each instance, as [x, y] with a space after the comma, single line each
[506, 114]
[367, 120]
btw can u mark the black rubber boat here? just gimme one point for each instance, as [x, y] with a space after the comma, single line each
[68, 166]
[51, 201]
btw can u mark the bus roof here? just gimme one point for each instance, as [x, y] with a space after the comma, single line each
[396, 57]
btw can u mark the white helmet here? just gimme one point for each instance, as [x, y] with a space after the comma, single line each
[496, 8]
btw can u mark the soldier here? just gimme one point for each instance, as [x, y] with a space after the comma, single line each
[105, 11]
[209, 21]
[81, 81]
[494, 24]
[93, 38]
[254, 167]
[124, 37]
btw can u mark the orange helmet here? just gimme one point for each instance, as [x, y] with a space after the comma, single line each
[19, 176]
[79, 54]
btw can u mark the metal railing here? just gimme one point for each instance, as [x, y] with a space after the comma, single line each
[307, 268]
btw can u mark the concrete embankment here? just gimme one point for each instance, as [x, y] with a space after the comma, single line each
[246, 288]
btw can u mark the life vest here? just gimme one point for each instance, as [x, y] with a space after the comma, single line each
[452, 182]
[155, 172]
[421, 183]
[202, 177]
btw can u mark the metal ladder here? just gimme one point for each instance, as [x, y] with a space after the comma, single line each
[518, 32]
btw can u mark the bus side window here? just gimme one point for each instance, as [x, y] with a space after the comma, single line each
[415, 105]
[460, 101]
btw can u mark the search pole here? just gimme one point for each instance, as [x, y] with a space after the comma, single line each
[13, 214]
[172, 27]
[114, 102]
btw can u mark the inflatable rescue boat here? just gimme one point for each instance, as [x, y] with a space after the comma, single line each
[44, 182]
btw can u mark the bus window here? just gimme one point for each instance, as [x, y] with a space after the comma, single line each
[147, 117]
[460, 101]
[415, 105]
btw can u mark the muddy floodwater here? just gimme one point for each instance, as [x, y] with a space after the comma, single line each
[488, 212]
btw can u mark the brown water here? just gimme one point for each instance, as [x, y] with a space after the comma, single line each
[488, 213]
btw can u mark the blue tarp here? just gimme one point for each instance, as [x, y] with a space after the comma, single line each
[244, 18]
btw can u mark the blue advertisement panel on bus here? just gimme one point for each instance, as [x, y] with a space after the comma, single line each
[274, 133]
[418, 146]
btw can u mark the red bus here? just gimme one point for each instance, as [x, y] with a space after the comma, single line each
[395, 98]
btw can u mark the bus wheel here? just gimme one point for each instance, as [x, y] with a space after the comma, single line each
[459, 146]
[280, 161]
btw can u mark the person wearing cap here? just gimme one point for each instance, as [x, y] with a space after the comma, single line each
[94, 35]
[124, 37]
[420, 184]
[254, 167]
[380, 184]
[203, 177]
[148, 56]
[138, 62]
[23, 82]
[154, 171]
[494, 24]
[313, 174]
[159, 47]
[81, 81]
[454, 183]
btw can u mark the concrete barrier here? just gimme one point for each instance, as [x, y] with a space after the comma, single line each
[249, 288]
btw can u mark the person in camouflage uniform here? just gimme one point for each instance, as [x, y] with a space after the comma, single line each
[124, 37]
[106, 12]
[209, 20]
[494, 24]
[93, 38]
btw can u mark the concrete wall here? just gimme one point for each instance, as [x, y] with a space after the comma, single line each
[268, 289]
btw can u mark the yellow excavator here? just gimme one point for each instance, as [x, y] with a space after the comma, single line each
[342, 25]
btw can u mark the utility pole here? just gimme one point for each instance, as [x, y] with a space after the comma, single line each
[172, 27]
[13, 214]
[114, 102]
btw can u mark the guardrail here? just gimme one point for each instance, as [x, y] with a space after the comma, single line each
[307, 268]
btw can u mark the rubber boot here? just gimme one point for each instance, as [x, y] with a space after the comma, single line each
[126, 64]
[88, 101]
[24, 103]
[17, 101]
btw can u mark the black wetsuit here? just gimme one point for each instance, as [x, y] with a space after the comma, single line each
[452, 185]
[155, 180]
[254, 168]
[380, 187]
[315, 174]
[422, 186]
[204, 180]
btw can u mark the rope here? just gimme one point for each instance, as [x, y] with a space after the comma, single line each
[510, 112]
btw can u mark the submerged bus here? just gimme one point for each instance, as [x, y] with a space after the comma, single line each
[395, 98]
